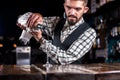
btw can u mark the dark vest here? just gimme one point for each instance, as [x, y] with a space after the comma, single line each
[70, 39]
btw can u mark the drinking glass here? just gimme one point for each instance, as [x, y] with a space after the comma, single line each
[48, 48]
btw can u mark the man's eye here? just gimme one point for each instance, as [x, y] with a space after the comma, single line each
[77, 9]
[68, 7]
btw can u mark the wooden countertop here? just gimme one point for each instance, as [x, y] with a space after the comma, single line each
[100, 71]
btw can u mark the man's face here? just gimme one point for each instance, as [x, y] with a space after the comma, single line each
[74, 10]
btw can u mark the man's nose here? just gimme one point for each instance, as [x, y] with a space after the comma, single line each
[72, 11]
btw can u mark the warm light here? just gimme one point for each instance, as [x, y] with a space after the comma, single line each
[14, 45]
[1, 45]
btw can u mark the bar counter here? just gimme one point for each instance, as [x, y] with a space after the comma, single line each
[100, 71]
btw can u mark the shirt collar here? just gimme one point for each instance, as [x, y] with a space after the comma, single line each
[76, 25]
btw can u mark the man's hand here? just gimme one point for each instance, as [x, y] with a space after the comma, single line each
[29, 20]
[37, 35]
[34, 20]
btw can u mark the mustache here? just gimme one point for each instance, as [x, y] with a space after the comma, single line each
[72, 16]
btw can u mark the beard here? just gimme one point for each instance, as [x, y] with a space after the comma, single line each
[72, 20]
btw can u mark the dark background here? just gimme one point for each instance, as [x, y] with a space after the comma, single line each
[10, 10]
[10, 32]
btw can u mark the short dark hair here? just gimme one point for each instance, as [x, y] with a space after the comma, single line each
[86, 1]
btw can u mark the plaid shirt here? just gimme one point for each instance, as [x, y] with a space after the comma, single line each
[78, 48]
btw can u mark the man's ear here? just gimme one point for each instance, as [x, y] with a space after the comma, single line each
[86, 9]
